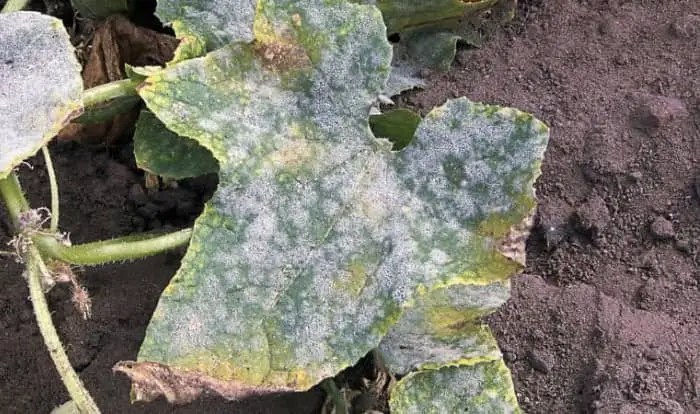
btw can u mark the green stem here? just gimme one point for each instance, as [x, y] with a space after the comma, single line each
[124, 248]
[14, 5]
[109, 91]
[75, 387]
[13, 197]
[331, 389]
[54, 189]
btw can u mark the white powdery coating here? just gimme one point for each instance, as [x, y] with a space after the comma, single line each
[410, 342]
[40, 84]
[488, 155]
[305, 199]
[219, 22]
[455, 389]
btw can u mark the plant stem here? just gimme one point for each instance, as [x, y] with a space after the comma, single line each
[109, 91]
[331, 389]
[14, 5]
[74, 385]
[13, 197]
[54, 189]
[124, 248]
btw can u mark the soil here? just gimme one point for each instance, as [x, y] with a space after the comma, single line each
[606, 317]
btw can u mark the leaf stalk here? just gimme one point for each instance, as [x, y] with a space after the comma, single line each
[108, 91]
[54, 189]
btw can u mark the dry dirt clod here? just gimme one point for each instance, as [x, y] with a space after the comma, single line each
[662, 229]
[686, 27]
[540, 360]
[592, 217]
[654, 112]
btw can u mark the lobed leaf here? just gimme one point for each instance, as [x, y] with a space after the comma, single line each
[40, 84]
[319, 236]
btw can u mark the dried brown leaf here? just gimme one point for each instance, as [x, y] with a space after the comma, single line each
[116, 42]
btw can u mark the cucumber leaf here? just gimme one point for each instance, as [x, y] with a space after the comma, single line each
[40, 84]
[475, 387]
[164, 153]
[319, 236]
[429, 32]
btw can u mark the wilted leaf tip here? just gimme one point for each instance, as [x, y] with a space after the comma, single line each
[151, 380]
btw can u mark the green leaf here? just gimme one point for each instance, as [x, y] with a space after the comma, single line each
[398, 126]
[318, 235]
[429, 32]
[406, 15]
[109, 110]
[40, 84]
[162, 152]
[100, 9]
[476, 387]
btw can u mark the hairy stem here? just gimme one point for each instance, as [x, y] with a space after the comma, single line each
[124, 248]
[13, 197]
[108, 91]
[14, 5]
[54, 189]
[74, 385]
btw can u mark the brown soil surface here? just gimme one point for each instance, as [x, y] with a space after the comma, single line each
[606, 318]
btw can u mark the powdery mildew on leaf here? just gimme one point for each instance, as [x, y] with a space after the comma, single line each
[318, 235]
[477, 388]
[40, 84]
[443, 327]
[216, 22]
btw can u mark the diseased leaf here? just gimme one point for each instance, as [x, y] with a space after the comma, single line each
[215, 23]
[443, 327]
[162, 152]
[429, 32]
[398, 126]
[100, 9]
[406, 15]
[476, 387]
[40, 84]
[319, 236]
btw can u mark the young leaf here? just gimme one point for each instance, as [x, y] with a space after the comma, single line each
[319, 235]
[40, 84]
[162, 152]
[475, 387]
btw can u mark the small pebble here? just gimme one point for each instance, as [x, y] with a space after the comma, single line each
[662, 229]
